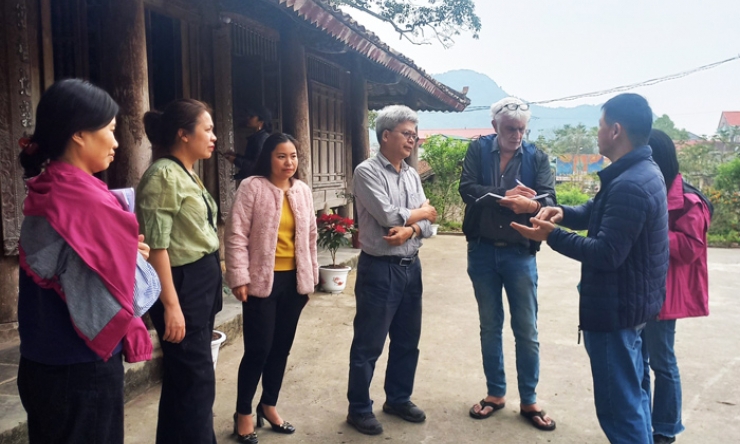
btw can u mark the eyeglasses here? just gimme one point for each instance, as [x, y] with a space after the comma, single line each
[408, 135]
[514, 107]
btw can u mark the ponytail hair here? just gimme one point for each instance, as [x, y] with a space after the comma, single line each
[162, 127]
[67, 107]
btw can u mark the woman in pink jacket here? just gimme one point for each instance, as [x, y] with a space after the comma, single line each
[687, 290]
[271, 266]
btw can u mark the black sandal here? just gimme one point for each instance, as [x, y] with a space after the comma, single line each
[483, 404]
[540, 414]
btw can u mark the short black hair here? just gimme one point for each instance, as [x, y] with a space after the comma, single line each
[664, 154]
[261, 113]
[263, 165]
[633, 113]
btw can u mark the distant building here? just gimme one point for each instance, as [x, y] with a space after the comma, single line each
[455, 133]
[730, 119]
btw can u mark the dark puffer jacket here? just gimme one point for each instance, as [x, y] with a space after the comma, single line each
[625, 256]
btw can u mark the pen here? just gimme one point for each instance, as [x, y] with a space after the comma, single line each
[520, 182]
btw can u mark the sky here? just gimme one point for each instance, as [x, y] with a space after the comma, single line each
[544, 49]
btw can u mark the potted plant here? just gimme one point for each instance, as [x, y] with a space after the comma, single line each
[333, 232]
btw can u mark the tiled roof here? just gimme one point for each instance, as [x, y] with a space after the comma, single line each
[344, 28]
[732, 117]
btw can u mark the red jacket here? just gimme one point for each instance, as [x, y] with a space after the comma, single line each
[687, 290]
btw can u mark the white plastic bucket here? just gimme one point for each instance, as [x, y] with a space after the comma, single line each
[220, 337]
[435, 227]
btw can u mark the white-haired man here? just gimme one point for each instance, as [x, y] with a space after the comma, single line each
[394, 215]
[498, 256]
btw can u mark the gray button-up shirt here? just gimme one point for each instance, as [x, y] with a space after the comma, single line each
[384, 199]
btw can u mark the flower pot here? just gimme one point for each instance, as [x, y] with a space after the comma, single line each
[333, 280]
[435, 227]
[217, 339]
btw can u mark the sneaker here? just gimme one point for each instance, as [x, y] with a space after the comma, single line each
[365, 423]
[660, 439]
[408, 411]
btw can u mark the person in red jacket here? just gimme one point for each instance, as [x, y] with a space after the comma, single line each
[687, 290]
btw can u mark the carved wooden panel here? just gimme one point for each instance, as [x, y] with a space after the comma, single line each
[18, 77]
[223, 116]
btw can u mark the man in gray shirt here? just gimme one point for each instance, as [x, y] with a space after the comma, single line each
[393, 216]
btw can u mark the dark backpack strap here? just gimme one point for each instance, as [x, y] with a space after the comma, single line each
[688, 188]
[486, 175]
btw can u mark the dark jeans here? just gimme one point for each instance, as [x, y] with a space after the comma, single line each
[73, 403]
[269, 329]
[622, 405]
[388, 299]
[188, 379]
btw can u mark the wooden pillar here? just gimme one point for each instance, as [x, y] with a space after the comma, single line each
[19, 93]
[358, 116]
[123, 57]
[295, 100]
[223, 115]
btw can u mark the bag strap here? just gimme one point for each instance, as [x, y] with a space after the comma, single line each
[688, 188]
[205, 201]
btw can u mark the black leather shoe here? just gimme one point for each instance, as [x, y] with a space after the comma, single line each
[365, 423]
[408, 411]
[660, 439]
[249, 438]
[285, 427]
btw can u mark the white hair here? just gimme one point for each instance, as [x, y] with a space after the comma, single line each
[499, 110]
[391, 116]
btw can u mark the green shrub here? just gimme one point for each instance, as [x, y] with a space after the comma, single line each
[570, 194]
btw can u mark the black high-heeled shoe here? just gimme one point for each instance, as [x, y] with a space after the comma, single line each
[285, 427]
[249, 438]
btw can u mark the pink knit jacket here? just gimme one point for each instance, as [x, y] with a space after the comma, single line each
[252, 232]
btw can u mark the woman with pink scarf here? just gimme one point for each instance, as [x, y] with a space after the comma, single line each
[84, 281]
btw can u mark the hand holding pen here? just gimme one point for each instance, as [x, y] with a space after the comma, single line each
[521, 190]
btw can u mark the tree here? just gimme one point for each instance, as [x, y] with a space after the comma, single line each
[445, 157]
[418, 21]
[665, 124]
[698, 163]
[573, 140]
[728, 176]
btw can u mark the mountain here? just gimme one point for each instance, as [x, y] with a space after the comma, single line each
[484, 91]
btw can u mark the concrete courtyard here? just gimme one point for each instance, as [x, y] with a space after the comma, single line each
[450, 376]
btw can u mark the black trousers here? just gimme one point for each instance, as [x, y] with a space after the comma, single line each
[389, 300]
[269, 329]
[73, 403]
[188, 379]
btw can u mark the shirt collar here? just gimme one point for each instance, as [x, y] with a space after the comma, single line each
[495, 147]
[386, 163]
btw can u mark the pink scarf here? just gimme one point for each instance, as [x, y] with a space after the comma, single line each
[89, 218]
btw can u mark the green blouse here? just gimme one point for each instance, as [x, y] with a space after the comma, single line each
[172, 213]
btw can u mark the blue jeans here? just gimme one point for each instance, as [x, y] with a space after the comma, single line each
[513, 268]
[388, 300]
[622, 405]
[658, 338]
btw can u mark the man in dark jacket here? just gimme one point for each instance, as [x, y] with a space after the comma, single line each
[624, 264]
[499, 257]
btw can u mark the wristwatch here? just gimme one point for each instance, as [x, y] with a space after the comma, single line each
[414, 234]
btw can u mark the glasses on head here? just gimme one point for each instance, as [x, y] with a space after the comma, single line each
[409, 135]
[514, 107]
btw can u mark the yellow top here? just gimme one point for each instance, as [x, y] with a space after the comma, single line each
[285, 251]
